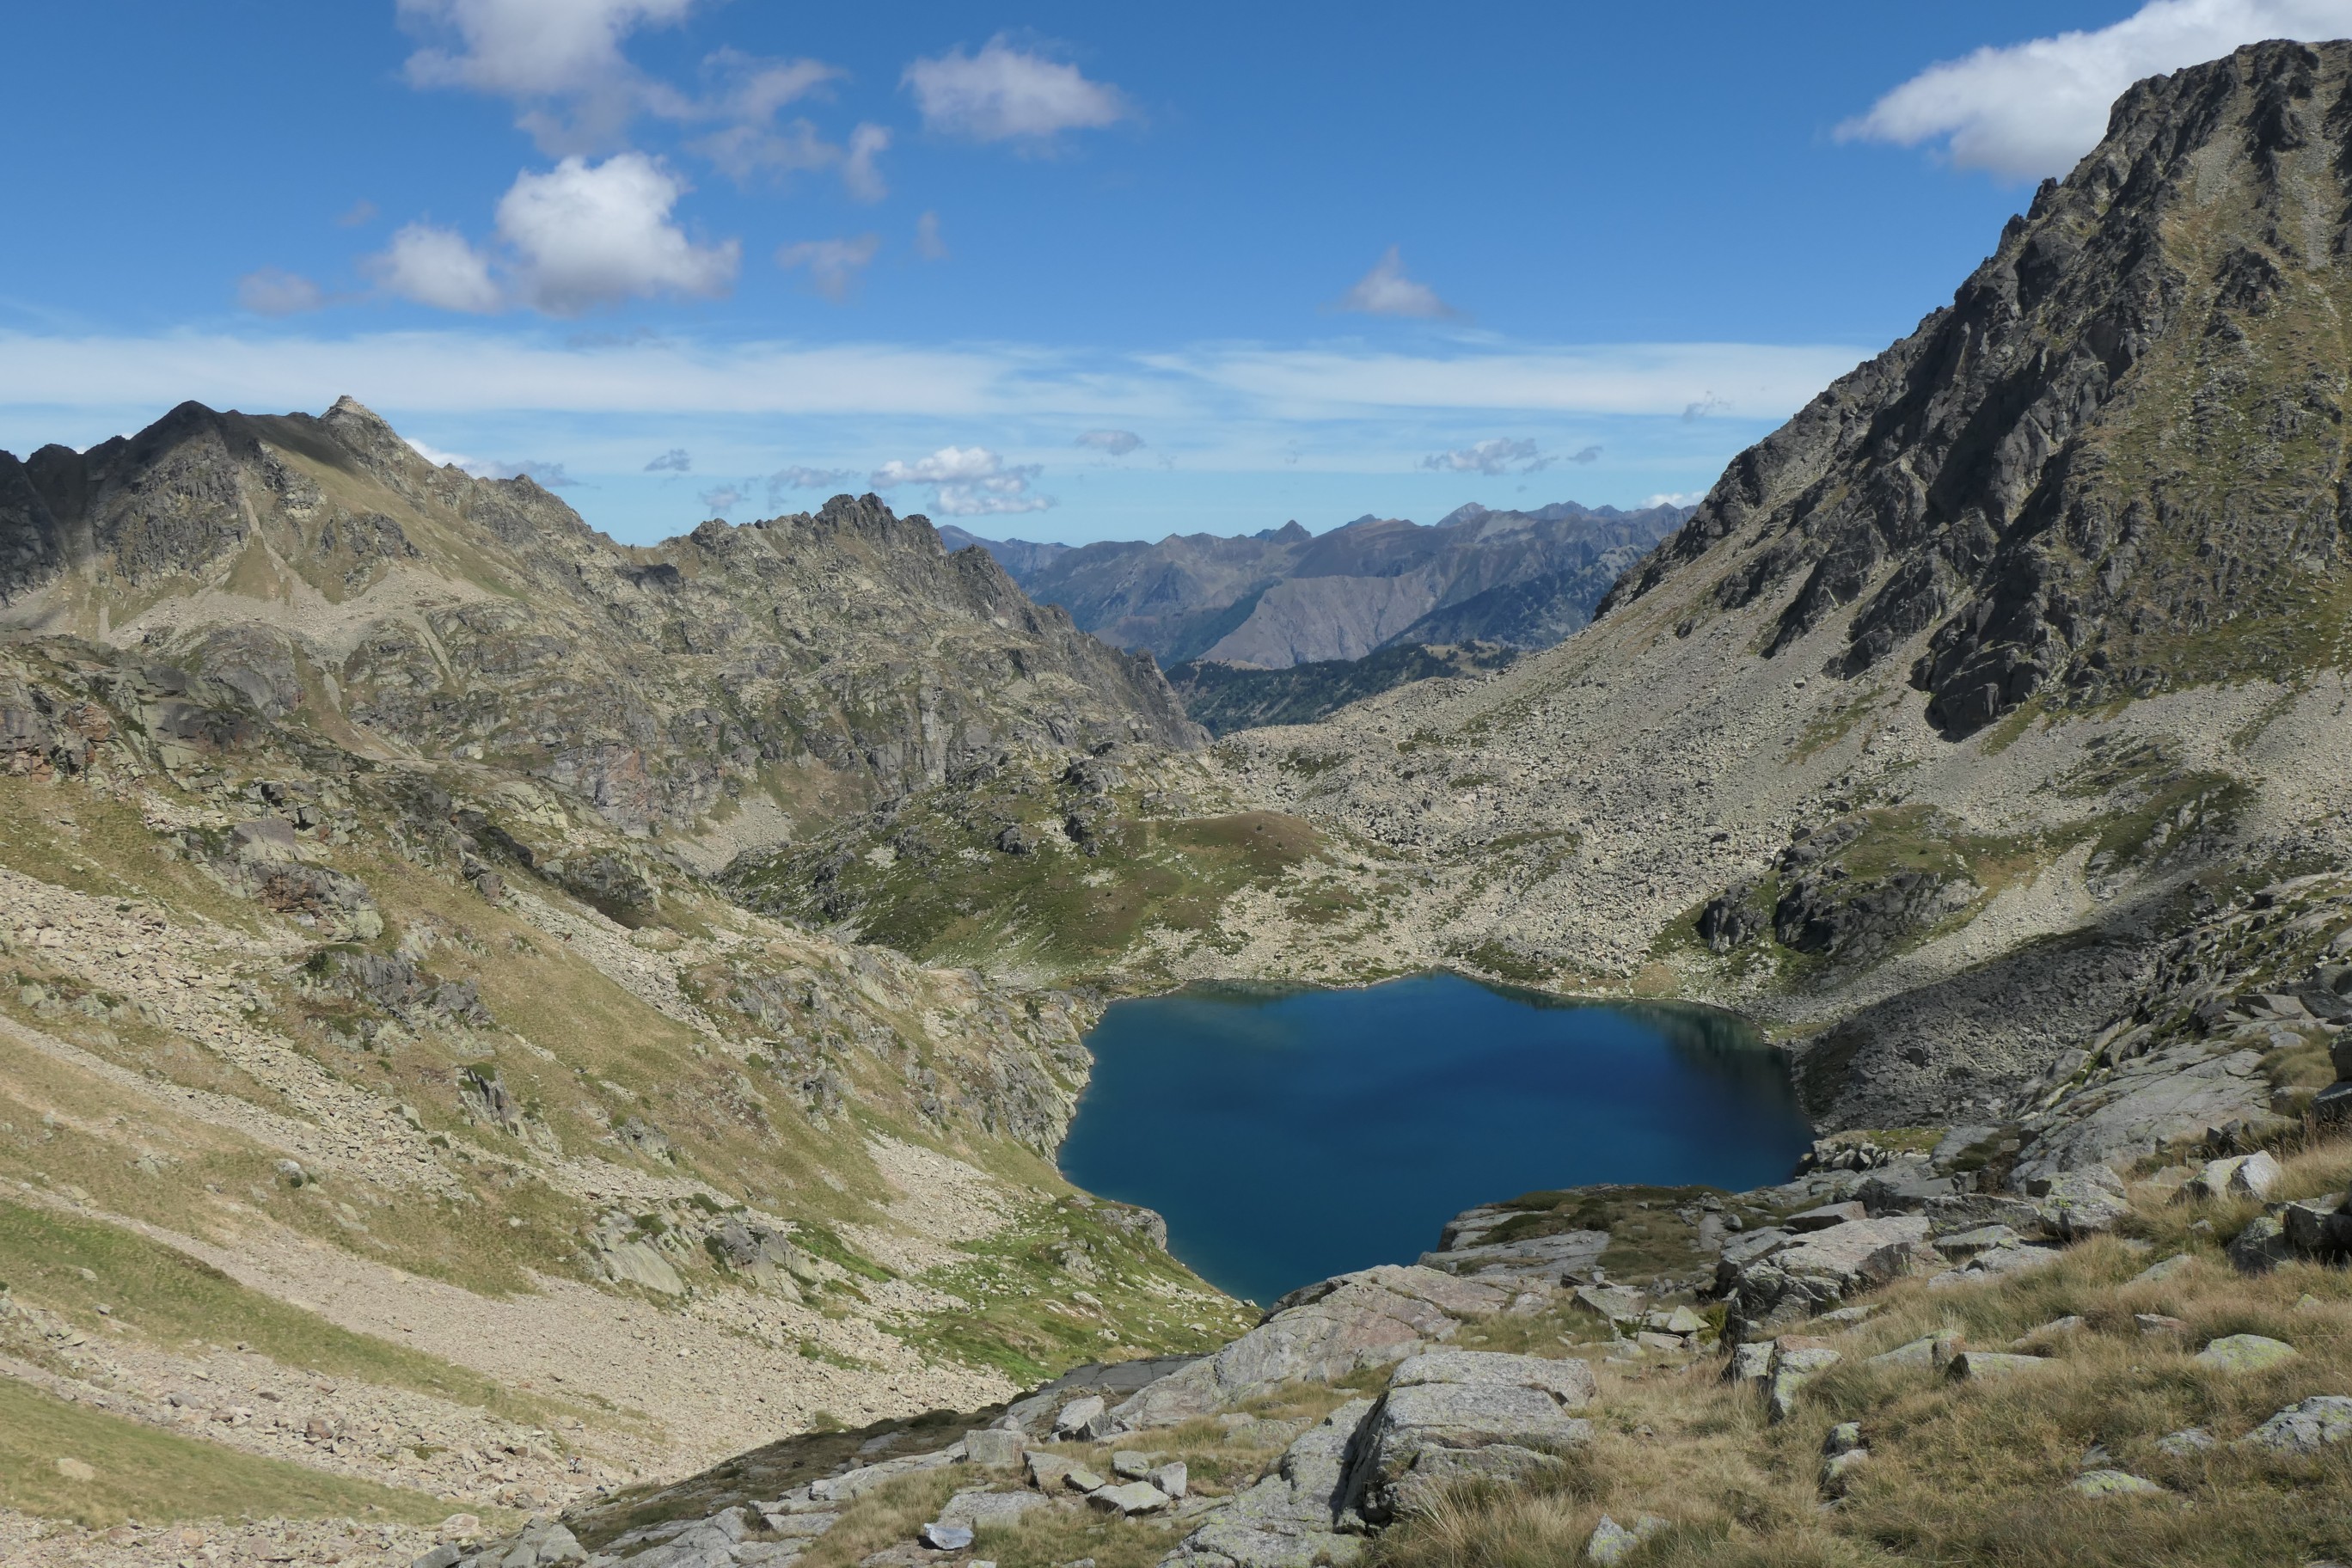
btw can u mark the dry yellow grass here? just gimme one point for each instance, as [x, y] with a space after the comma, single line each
[1977, 1473]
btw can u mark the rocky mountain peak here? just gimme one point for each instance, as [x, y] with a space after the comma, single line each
[2115, 461]
[804, 663]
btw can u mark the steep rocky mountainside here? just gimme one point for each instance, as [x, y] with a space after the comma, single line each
[724, 685]
[1223, 698]
[2018, 650]
[1285, 596]
[511, 1161]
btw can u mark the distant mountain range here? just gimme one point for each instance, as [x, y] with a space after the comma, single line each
[1285, 596]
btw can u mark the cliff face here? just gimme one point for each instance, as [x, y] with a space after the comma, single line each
[2019, 647]
[2114, 464]
[795, 666]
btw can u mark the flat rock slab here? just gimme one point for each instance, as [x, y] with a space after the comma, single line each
[2113, 1483]
[979, 1507]
[1324, 1333]
[1534, 1256]
[1570, 1382]
[2154, 1102]
[1826, 1216]
[1979, 1365]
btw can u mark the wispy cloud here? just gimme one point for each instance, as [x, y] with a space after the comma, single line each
[833, 265]
[1118, 443]
[724, 499]
[797, 478]
[490, 374]
[1745, 380]
[1007, 94]
[928, 243]
[1499, 456]
[1385, 290]
[270, 291]
[2023, 111]
[861, 175]
[676, 460]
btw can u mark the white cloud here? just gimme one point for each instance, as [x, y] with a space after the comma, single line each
[539, 52]
[832, 264]
[724, 499]
[969, 482]
[1385, 290]
[437, 457]
[530, 48]
[1585, 455]
[1499, 456]
[550, 474]
[676, 460]
[2023, 111]
[1226, 395]
[928, 243]
[1004, 94]
[1675, 498]
[859, 177]
[437, 267]
[579, 236]
[1118, 443]
[591, 235]
[561, 61]
[272, 292]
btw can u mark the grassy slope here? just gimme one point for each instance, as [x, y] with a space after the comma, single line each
[145, 1474]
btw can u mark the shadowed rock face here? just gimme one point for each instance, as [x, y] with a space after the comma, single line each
[319, 562]
[2123, 436]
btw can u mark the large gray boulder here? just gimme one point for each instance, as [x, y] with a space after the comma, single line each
[2319, 1422]
[1808, 1275]
[2152, 1102]
[1289, 1519]
[1466, 1414]
[1323, 1332]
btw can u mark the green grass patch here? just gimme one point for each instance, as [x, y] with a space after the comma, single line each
[158, 1477]
[175, 1300]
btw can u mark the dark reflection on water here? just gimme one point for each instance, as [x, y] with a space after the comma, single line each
[1289, 1135]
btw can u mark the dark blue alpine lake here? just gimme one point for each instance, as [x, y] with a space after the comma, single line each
[1290, 1135]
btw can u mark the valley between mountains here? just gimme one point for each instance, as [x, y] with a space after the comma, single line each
[522, 1049]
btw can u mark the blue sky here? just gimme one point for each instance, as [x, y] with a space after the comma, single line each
[1052, 271]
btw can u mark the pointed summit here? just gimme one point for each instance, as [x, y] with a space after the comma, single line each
[2112, 464]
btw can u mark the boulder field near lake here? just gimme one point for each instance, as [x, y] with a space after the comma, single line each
[523, 1050]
